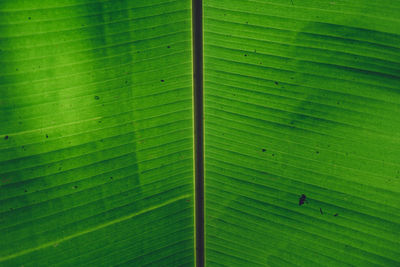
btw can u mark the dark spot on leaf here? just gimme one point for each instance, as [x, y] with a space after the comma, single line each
[96, 97]
[111, 178]
[276, 83]
[245, 55]
[47, 136]
[273, 155]
[29, 18]
[302, 199]
[168, 47]
[263, 150]
[162, 81]
[320, 210]
[6, 137]
[75, 186]
[336, 214]
[317, 152]
[25, 190]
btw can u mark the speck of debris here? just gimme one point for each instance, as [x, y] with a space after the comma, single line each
[273, 155]
[276, 83]
[111, 178]
[245, 55]
[47, 136]
[6, 137]
[263, 150]
[317, 152]
[96, 97]
[25, 190]
[302, 199]
[162, 81]
[336, 214]
[75, 186]
[29, 18]
[320, 210]
[168, 47]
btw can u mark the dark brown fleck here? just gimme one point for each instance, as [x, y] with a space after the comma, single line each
[302, 199]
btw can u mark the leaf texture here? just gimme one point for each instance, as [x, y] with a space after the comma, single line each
[96, 148]
[302, 102]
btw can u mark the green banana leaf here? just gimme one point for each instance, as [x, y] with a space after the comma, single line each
[302, 142]
[302, 133]
[96, 143]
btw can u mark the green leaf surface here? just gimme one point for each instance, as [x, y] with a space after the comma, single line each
[302, 133]
[302, 98]
[96, 148]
